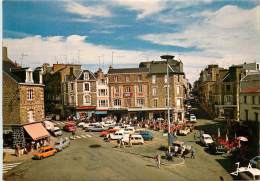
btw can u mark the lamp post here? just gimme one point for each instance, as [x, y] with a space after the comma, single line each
[168, 106]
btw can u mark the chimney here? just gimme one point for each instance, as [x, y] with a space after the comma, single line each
[4, 53]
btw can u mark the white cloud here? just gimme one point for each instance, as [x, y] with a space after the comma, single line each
[230, 33]
[86, 12]
[143, 7]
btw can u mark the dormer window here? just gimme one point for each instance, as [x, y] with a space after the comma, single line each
[86, 76]
[29, 76]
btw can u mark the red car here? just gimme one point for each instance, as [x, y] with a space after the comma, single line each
[70, 127]
[105, 133]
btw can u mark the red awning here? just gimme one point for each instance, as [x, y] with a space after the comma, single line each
[36, 131]
[86, 108]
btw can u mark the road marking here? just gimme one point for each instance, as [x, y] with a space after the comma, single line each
[83, 136]
[78, 137]
[9, 166]
[66, 138]
[88, 135]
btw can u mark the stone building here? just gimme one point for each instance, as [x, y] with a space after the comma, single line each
[102, 94]
[128, 91]
[81, 96]
[23, 103]
[158, 93]
[250, 105]
[141, 93]
[55, 94]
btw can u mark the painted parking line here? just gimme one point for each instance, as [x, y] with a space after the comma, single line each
[9, 166]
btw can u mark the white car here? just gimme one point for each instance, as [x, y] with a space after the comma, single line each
[118, 135]
[56, 131]
[135, 139]
[129, 130]
[81, 124]
[206, 139]
[193, 118]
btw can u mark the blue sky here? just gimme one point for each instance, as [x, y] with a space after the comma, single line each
[197, 32]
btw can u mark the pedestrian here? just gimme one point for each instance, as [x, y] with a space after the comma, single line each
[17, 150]
[130, 142]
[195, 136]
[158, 160]
[193, 153]
[73, 134]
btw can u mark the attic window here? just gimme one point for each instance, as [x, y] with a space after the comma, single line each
[86, 76]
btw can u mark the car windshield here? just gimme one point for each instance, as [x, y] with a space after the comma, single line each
[57, 130]
[207, 138]
[41, 151]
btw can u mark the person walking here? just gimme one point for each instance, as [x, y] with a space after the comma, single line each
[17, 150]
[73, 135]
[193, 153]
[158, 160]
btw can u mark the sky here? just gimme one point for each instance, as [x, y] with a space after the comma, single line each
[197, 32]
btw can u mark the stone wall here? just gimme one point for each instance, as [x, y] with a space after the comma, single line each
[11, 100]
[36, 104]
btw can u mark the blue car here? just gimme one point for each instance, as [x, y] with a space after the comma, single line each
[254, 161]
[147, 135]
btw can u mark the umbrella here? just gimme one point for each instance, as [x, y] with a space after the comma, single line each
[218, 132]
[242, 138]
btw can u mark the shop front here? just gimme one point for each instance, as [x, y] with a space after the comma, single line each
[87, 112]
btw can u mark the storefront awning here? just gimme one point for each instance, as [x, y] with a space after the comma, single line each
[101, 112]
[86, 107]
[36, 131]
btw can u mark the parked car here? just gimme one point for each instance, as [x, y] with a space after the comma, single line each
[184, 131]
[81, 124]
[206, 139]
[129, 130]
[177, 147]
[61, 144]
[44, 152]
[147, 135]
[70, 127]
[107, 132]
[216, 148]
[97, 128]
[193, 118]
[48, 118]
[254, 161]
[56, 131]
[116, 136]
[134, 139]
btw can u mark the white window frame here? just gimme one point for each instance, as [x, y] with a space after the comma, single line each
[178, 89]
[85, 87]
[87, 101]
[154, 91]
[140, 88]
[86, 75]
[140, 102]
[117, 102]
[30, 94]
[153, 79]
[155, 101]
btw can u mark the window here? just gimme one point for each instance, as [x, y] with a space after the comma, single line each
[117, 90]
[245, 99]
[86, 87]
[253, 99]
[140, 88]
[72, 99]
[102, 103]
[117, 102]
[116, 78]
[153, 79]
[127, 89]
[29, 94]
[102, 92]
[256, 116]
[166, 90]
[178, 102]
[139, 78]
[87, 99]
[155, 102]
[228, 98]
[154, 92]
[102, 82]
[140, 102]
[178, 90]
[178, 78]
[257, 66]
[127, 78]
[72, 86]
[246, 114]
[228, 88]
[86, 76]
[165, 79]
[166, 102]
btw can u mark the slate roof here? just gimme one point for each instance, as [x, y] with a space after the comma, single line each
[128, 70]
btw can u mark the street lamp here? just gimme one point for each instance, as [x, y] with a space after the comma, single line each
[168, 104]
